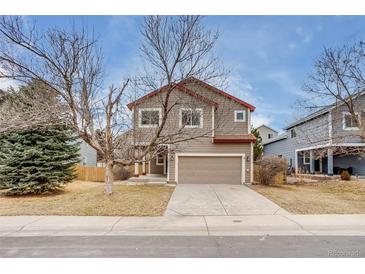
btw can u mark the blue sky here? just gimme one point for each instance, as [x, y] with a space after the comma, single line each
[269, 56]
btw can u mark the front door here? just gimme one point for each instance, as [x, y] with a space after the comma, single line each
[317, 165]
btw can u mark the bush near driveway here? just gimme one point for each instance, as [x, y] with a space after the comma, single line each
[270, 170]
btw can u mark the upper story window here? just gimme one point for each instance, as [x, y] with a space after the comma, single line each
[240, 116]
[348, 122]
[149, 117]
[293, 133]
[191, 118]
[269, 135]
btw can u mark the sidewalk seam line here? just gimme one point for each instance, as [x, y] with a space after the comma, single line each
[112, 228]
[38, 219]
[206, 225]
[299, 225]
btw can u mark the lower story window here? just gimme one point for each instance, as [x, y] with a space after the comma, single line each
[160, 160]
[306, 158]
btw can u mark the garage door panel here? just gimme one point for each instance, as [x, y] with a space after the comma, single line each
[209, 170]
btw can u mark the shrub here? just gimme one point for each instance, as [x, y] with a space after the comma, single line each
[345, 175]
[121, 172]
[268, 168]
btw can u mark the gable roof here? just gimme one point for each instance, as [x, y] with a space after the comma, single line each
[263, 125]
[310, 117]
[181, 86]
[212, 88]
[280, 137]
[175, 86]
[321, 112]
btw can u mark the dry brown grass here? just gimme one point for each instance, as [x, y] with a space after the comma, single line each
[88, 199]
[331, 197]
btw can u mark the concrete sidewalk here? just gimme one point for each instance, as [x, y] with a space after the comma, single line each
[349, 225]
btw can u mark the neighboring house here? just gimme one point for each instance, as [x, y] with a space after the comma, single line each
[266, 133]
[87, 155]
[320, 143]
[223, 155]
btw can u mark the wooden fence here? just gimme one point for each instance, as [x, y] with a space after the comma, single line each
[89, 173]
[97, 174]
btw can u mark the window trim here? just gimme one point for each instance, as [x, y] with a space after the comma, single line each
[159, 157]
[344, 114]
[148, 109]
[191, 126]
[244, 116]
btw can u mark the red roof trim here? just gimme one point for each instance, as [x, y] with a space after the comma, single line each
[177, 86]
[203, 84]
[227, 141]
[194, 94]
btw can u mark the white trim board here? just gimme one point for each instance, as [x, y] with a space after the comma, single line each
[332, 145]
[244, 116]
[242, 155]
[251, 164]
[213, 122]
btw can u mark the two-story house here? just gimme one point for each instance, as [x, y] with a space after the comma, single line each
[323, 142]
[267, 133]
[221, 151]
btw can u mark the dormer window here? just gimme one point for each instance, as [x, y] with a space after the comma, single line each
[149, 117]
[240, 116]
[191, 118]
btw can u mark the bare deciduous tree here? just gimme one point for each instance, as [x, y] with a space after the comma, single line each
[26, 107]
[337, 82]
[69, 64]
[176, 49]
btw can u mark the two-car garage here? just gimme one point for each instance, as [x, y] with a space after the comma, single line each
[210, 168]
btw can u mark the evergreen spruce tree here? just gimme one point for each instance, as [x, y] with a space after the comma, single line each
[37, 161]
[258, 148]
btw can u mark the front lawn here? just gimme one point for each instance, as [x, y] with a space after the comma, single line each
[331, 197]
[87, 199]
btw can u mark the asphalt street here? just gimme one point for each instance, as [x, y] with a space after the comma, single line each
[182, 246]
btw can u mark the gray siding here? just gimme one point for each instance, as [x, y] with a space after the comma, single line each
[87, 155]
[154, 168]
[346, 136]
[317, 132]
[284, 147]
[264, 132]
[357, 163]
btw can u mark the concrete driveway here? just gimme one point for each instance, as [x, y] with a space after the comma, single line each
[219, 200]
